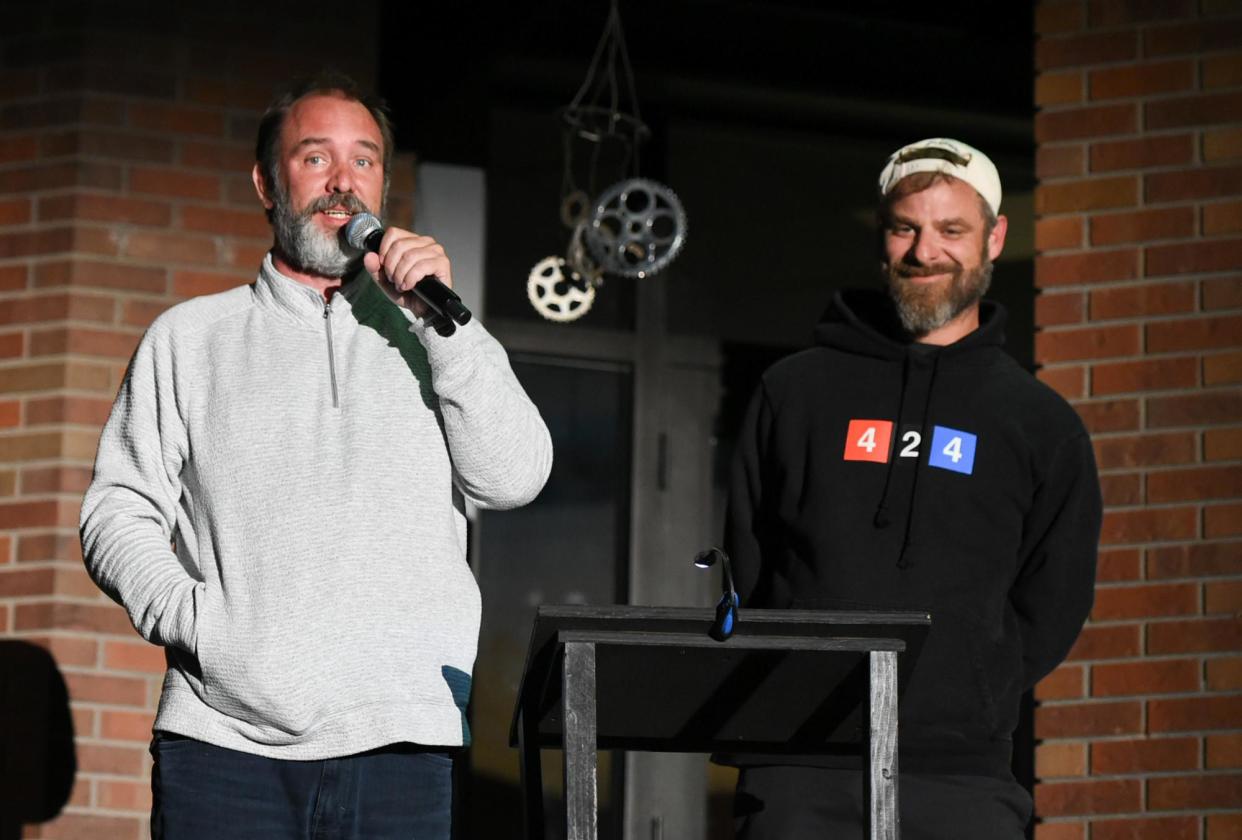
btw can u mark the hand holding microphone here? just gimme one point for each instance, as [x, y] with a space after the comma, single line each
[411, 264]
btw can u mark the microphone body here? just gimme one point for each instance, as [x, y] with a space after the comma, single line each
[365, 232]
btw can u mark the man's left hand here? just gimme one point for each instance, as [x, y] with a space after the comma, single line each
[404, 258]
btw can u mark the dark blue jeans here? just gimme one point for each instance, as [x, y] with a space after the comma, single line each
[812, 803]
[205, 792]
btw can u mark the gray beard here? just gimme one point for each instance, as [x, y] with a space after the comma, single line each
[307, 247]
[925, 309]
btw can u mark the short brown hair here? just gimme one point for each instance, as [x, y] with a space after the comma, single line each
[920, 181]
[329, 82]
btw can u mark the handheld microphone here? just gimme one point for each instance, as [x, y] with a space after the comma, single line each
[726, 609]
[364, 232]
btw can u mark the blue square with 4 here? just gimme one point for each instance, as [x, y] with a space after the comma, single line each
[952, 449]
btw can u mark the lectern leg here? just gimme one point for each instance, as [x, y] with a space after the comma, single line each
[580, 741]
[532, 774]
[884, 819]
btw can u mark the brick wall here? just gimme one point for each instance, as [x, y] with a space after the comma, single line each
[1139, 233]
[126, 143]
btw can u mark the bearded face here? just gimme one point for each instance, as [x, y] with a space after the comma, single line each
[306, 245]
[928, 306]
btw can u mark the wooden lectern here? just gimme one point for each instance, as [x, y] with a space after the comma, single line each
[788, 683]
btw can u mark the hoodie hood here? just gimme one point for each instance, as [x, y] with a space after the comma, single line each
[865, 322]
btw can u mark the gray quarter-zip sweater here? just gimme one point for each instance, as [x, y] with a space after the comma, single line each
[278, 500]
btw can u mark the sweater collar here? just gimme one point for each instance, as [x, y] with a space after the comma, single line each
[306, 304]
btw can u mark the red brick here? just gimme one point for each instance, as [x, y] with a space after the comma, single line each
[19, 582]
[105, 688]
[1068, 381]
[1109, 415]
[1195, 560]
[1151, 525]
[92, 274]
[1057, 17]
[1222, 369]
[1145, 299]
[1223, 444]
[1187, 792]
[141, 313]
[1203, 256]
[101, 208]
[1195, 635]
[174, 182]
[12, 278]
[134, 656]
[40, 480]
[1221, 71]
[1209, 182]
[1223, 596]
[1116, 12]
[1222, 292]
[1086, 122]
[113, 760]
[1045, 830]
[177, 119]
[1144, 756]
[78, 410]
[1091, 797]
[1059, 88]
[1114, 641]
[56, 307]
[1144, 678]
[1222, 218]
[1222, 144]
[98, 343]
[1192, 37]
[116, 795]
[227, 93]
[18, 148]
[1224, 751]
[1162, 150]
[118, 725]
[1202, 333]
[1142, 79]
[15, 211]
[113, 145]
[1066, 682]
[1222, 520]
[12, 346]
[1121, 490]
[1224, 826]
[1055, 309]
[1118, 564]
[1143, 226]
[1146, 828]
[248, 257]
[1087, 343]
[65, 616]
[1149, 601]
[1077, 720]
[195, 283]
[79, 826]
[1224, 674]
[1183, 714]
[1147, 375]
[226, 222]
[1058, 233]
[170, 247]
[1195, 483]
[1085, 49]
[1187, 111]
[36, 548]
[1086, 267]
[1194, 409]
[1059, 161]
[61, 111]
[54, 176]
[1088, 194]
[1062, 759]
[219, 156]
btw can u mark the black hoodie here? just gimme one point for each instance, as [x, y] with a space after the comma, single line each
[873, 473]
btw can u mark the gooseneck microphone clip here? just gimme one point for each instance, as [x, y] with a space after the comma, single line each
[365, 232]
[727, 607]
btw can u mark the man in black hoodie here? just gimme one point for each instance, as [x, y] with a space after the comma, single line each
[907, 462]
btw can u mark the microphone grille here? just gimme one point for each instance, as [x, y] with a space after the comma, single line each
[359, 227]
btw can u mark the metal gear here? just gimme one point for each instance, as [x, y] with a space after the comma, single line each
[555, 296]
[574, 209]
[637, 228]
[580, 262]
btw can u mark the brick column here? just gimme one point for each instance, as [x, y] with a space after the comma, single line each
[126, 141]
[1139, 239]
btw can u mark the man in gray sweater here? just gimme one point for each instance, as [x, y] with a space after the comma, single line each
[278, 501]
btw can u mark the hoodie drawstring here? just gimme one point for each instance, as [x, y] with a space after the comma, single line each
[904, 561]
[881, 518]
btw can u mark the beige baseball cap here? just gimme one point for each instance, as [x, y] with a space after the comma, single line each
[941, 154]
